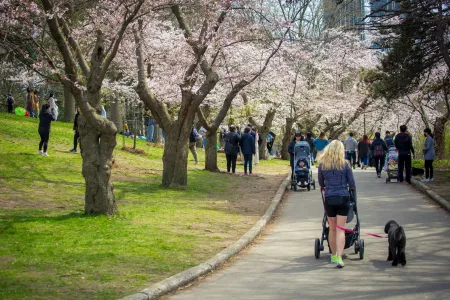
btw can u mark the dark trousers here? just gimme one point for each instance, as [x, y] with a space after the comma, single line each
[428, 168]
[45, 136]
[10, 108]
[248, 161]
[378, 160]
[75, 140]
[404, 162]
[231, 162]
[351, 156]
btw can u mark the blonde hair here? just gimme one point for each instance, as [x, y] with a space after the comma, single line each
[333, 156]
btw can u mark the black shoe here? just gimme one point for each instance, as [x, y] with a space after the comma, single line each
[379, 175]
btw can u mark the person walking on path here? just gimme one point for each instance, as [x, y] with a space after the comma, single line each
[45, 119]
[10, 103]
[403, 143]
[350, 146]
[53, 106]
[310, 141]
[247, 144]
[76, 134]
[335, 171]
[194, 137]
[232, 148]
[291, 150]
[320, 143]
[379, 150]
[428, 155]
[30, 103]
[364, 151]
[389, 140]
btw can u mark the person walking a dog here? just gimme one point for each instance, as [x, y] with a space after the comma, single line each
[403, 143]
[428, 155]
[338, 175]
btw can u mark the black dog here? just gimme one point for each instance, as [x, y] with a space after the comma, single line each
[397, 243]
[417, 171]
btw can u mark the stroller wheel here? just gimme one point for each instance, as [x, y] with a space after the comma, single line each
[361, 249]
[317, 248]
[356, 247]
[308, 187]
[295, 187]
[314, 184]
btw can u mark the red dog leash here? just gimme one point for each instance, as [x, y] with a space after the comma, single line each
[344, 228]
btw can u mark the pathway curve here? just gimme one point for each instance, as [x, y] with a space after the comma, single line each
[282, 265]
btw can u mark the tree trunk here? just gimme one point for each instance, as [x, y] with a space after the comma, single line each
[264, 131]
[116, 114]
[69, 105]
[97, 152]
[439, 136]
[287, 139]
[175, 158]
[211, 151]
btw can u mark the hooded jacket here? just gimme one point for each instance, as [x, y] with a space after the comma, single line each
[403, 143]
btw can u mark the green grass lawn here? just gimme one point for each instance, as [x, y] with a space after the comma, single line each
[50, 249]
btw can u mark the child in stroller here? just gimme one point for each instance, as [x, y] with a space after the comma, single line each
[391, 164]
[302, 172]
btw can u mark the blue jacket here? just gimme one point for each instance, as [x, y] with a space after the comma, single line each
[389, 141]
[428, 149]
[337, 181]
[247, 144]
[320, 144]
[194, 136]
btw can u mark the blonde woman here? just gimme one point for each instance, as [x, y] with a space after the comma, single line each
[338, 176]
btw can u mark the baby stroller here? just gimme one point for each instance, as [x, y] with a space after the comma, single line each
[391, 164]
[351, 238]
[302, 153]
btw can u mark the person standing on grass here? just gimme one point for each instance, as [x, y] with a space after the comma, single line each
[320, 143]
[45, 119]
[232, 148]
[350, 146]
[202, 131]
[364, 151]
[247, 144]
[335, 177]
[53, 106]
[30, 103]
[10, 103]
[403, 143]
[36, 103]
[428, 155]
[379, 150]
[194, 137]
[76, 134]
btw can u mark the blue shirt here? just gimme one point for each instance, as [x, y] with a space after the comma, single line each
[336, 181]
[320, 144]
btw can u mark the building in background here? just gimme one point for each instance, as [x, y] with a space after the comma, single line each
[346, 13]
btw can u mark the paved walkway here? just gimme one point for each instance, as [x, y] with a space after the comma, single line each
[283, 266]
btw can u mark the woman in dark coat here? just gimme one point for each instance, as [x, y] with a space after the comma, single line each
[232, 148]
[291, 149]
[364, 151]
[45, 119]
[247, 144]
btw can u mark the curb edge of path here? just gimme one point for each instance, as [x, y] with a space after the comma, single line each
[181, 279]
[430, 193]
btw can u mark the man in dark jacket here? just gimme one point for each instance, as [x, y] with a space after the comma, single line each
[403, 143]
[45, 119]
[232, 148]
[248, 148]
[194, 137]
[10, 103]
[379, 150]
[76, 134]
[388, 139]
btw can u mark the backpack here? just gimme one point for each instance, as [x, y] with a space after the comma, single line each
[10, 100]
[378, 151]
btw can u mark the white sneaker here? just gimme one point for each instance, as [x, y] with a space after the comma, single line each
[40, 152]
[431, 180]
[45, 154]
[425, 180]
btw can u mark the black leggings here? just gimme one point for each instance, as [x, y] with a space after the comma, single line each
[75, 140]
[231, 162]
[428, 168]
[45, 135]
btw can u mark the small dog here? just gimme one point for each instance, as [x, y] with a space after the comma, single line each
[417, 171]
[397, 243]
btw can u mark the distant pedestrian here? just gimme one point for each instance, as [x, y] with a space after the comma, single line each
[247, 144]
[291, 150]
[53, 107]
[232, 148]
[194, 137]
[364, 151]
[379, 150]
[104, 112]
[36, 103]
[30, 103]
[388, 139]
[76, 134]
[428, 155]
[351, 145]
[320, 143]
[257, 136]
[403, 143]
[10, 103]
[202, 131]
[150, 123]
[45, 118]
[310, 141]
